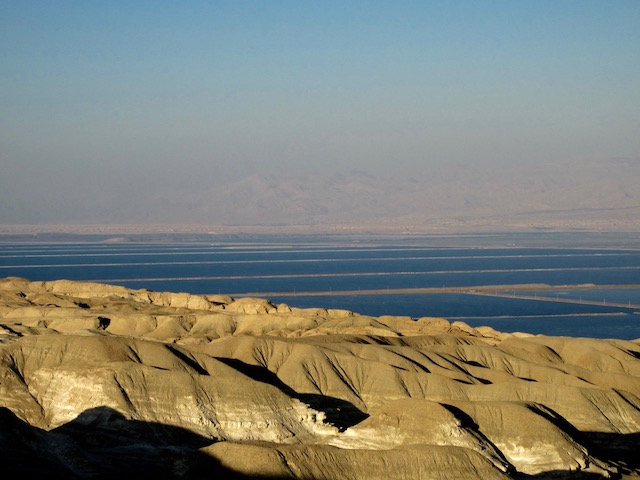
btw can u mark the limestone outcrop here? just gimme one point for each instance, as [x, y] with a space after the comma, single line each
[99, 380]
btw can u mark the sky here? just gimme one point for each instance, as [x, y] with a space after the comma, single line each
[114, 100]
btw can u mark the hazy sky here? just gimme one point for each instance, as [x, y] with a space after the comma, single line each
[123, 97]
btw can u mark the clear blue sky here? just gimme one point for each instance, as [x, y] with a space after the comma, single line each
[190, 92]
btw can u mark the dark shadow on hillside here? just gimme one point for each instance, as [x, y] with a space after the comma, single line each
[565, 475]
[102, 444]
[339, 413]
[620, 450]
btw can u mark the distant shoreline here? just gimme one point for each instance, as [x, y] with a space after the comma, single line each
[273, 235]
[324, 229]
[491, 290]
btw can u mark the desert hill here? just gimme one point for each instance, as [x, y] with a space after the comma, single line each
[98, 381]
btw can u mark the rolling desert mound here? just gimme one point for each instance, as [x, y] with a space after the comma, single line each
[99, 381]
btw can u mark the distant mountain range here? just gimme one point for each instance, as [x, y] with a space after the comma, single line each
[548, 196]
[595, 195]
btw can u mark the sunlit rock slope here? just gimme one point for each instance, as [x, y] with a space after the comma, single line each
[98, 381]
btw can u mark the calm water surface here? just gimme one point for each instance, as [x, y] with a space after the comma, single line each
[275, 271]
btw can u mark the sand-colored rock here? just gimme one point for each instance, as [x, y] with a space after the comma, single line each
[198, 385]
[323, 462]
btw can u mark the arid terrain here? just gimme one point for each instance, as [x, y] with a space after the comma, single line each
[101, 381]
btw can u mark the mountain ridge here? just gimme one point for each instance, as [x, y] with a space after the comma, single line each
[593, 195]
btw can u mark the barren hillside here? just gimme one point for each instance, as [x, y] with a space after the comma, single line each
[98, 381]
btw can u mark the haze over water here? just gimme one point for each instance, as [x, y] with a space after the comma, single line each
[408, 115]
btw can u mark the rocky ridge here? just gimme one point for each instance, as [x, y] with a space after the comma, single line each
[99, 380]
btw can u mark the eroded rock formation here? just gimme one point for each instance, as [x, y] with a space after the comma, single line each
[98, 380]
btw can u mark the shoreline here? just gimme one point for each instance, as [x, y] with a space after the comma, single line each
[487, 290]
